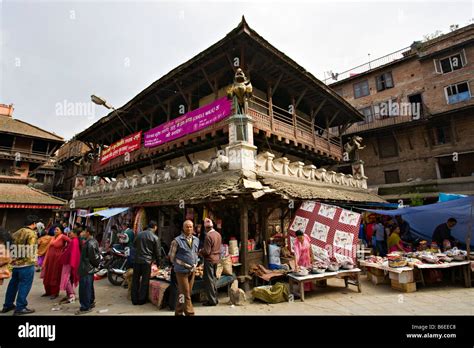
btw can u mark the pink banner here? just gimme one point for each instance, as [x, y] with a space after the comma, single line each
[128, 144]
[189, 123]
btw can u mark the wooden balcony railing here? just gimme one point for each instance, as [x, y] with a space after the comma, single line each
[380, 122]
[24, 155]
[277, 121]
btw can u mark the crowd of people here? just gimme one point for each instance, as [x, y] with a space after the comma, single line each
[386, 235]
[68, 258]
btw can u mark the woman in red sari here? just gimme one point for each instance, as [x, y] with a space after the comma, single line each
[52, 267]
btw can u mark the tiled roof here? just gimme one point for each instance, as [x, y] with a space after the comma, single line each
[18, 193]
[224, 185]
[310, 191]
[14, 126]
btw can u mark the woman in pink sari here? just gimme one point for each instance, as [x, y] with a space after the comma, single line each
[70, 271]
[303, 254]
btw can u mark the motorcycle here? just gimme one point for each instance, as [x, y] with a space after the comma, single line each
[118, 265]
[105, 260]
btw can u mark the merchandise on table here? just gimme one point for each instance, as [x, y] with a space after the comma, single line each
[396, 260]
[457, 254]
[303, 271]
[334, 266]
[163, 273]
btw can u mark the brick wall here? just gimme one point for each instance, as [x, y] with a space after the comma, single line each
[416, 154]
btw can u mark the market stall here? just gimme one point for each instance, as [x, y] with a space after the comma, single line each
[350, 277]
[404, 270]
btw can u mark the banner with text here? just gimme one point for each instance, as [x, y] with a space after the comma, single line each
[128, 144]
[190, 122]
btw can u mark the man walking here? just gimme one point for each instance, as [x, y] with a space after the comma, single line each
[24, 241]
[212, 254]
[184, 256]
[90, 260]
[147, 248]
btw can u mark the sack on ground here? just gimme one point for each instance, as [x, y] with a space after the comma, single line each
[156, 292]
[224, 267]
[272, 293]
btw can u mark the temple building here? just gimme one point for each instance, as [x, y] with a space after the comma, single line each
[240, 133]
[27, 171]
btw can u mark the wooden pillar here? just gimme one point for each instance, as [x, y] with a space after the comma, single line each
[242, 57]
[453, 130]
[216, 88]
[312, 127]
[263, 224]
[294, 115]
[244, 236]
[168, 112]
[327, 132]
[270, 105]
[4, 220]
[151, 120]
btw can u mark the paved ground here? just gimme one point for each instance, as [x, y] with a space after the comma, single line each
[437, 299]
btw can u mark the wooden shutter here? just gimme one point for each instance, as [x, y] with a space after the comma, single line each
[437, 66]
[463, 57]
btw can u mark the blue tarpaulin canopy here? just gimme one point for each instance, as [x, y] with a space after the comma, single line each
[444, 197]
[424, 219]
[107, 213]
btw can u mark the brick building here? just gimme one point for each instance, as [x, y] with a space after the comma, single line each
[419, 122]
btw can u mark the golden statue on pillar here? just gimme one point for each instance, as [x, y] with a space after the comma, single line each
[241, 89]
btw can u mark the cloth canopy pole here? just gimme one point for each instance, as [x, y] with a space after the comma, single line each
[469, 233]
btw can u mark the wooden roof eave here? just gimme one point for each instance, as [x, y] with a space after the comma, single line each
[351, 113]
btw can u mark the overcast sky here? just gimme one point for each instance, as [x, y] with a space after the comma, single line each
[54, 55]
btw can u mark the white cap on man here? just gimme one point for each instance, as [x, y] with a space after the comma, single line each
[208, 222]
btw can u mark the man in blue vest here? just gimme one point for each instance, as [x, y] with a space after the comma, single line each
[184, 256]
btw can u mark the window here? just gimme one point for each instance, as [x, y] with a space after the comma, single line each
[368, 117]
[6, 140]
[361, 89]
[447, 167]
[392, 177]
[457, 93]
[451, 63]
[384, 81]
[440, 134]
[386, 109]
[387, 146]
[416, 102]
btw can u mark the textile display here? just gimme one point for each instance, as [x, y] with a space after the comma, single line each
[333, 231]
